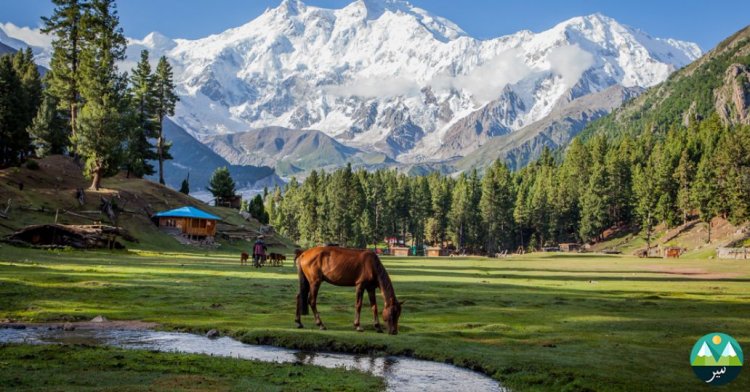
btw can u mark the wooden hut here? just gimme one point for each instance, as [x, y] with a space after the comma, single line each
[189, 221]
[570, 247]
[399, 251]
[436, 252]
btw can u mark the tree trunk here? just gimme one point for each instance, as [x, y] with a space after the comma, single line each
[709, 231]
[97, 180]
[160, 149]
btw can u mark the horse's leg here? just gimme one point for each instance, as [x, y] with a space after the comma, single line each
[374, 306]
[358, 307]
[314, 286]
[298, 315]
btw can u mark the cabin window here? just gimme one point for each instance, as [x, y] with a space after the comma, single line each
[170, 223]
[199, 223]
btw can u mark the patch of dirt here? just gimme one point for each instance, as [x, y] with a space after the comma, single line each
[691, 273]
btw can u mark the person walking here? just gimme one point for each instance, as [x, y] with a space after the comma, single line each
[259, 252]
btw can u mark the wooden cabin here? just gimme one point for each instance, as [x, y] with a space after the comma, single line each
[189, 221]
[570, 247]
[436, 252]
[399, 251]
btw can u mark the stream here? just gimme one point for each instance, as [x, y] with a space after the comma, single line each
[400, 373]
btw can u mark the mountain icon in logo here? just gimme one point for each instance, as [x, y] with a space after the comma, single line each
[716, 358]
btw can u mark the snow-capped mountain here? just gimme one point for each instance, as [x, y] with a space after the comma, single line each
[383, 75]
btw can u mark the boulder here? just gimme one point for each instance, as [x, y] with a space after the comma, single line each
[99, 319]
[212, 334]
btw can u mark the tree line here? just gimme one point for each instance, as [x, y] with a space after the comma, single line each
[634, 182]
[84, 105]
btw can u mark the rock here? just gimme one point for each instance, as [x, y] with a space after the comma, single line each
[69, 327]
[212, 334]
[99, 319]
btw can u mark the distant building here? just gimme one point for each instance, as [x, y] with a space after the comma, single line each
[189, 222]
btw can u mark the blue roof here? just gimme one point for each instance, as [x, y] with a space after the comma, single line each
[187, 212]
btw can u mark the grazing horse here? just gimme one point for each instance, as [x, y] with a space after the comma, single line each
[346, 267]
[243, 258]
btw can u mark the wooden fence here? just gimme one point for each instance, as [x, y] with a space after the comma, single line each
[733, 253]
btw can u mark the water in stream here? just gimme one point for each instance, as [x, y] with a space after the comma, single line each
[400, 373]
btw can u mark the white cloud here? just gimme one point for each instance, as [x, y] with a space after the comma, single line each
[486, 81]
[570, 62]
[33, 37]
[372, 87]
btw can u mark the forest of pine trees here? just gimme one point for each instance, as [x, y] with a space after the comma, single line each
[84, 105]
[632, 182]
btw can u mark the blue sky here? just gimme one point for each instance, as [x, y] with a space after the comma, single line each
[703, 22]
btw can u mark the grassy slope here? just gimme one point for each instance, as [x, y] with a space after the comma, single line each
[538, 322]
[53, 187]
[50, 368]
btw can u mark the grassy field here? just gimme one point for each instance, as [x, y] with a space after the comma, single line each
[40, 368]
[536, 322]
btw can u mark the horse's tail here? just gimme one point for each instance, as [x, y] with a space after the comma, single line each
[304, 293]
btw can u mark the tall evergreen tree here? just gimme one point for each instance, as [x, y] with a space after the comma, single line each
[48, 131]
[165, 99]
[684, 177]
[143, 106]
[704, 191]
[221, 184]
[99, 133]
[65, 26]
[11, 119]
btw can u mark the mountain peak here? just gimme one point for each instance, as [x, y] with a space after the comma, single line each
[290, 7]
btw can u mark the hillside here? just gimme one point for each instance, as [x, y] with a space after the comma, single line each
[51, 190]
[718, 82]
[193, 157]
[288, 150]
[691, 237]
[556, 130]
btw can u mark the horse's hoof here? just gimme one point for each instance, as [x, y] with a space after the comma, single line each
[300, 326]
[359, 329]
[322, 327]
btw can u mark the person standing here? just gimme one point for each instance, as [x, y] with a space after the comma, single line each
[259, 252]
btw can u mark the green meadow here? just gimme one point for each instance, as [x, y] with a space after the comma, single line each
[533, 322]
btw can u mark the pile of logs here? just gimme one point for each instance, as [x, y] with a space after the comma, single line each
[75, 236]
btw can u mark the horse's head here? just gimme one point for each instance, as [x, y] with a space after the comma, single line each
[391, 313]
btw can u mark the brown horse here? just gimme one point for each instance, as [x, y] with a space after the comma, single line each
[243, 258]
[346, 267]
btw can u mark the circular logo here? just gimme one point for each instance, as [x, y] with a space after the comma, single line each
[716, 358]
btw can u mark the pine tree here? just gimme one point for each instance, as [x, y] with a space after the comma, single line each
[496, 207]
[11, 118]
[31, 93]
[704, 191]
[684, 177]
[65, 25]
[143, 106]
[99, 133]
[644, 185]
[48, 131]
[166, 99]
[185, 185]
[221, 184]
[257, 210]
[595, 205]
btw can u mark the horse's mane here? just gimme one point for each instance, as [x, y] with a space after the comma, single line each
[386, 287]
